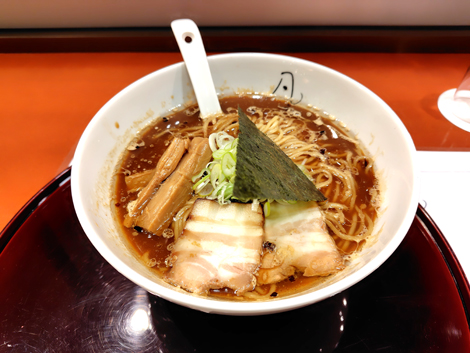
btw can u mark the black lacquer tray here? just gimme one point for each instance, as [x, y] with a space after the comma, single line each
[57, 294]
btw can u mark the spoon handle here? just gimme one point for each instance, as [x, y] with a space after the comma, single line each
[190, 43]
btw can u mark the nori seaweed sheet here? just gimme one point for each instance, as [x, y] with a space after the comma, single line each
[264, 171]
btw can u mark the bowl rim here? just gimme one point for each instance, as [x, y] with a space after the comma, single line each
[206, 304]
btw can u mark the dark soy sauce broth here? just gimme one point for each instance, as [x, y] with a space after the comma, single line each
[154, 250]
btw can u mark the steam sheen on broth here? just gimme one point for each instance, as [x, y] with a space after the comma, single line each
[336, 163]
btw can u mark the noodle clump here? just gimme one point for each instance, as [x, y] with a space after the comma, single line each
[330, 157]
[331, 171]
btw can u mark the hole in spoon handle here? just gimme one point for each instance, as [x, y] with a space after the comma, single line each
[188, 37]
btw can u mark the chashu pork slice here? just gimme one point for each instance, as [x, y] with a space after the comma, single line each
[297, 240]
[219, 247]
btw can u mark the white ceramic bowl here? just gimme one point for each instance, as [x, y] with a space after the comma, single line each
[112, 128]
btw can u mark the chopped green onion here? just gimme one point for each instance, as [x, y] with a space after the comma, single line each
[206, 190]
[267, 209]
[228, 164]
[216, 175]
[228, 190]
[196, 177]
[206, 178]
[216, 181]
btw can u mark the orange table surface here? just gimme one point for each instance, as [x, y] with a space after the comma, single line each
[46, 101]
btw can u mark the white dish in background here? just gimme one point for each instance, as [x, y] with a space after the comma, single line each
[446, 105]
[375, 124]
[436, 166]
